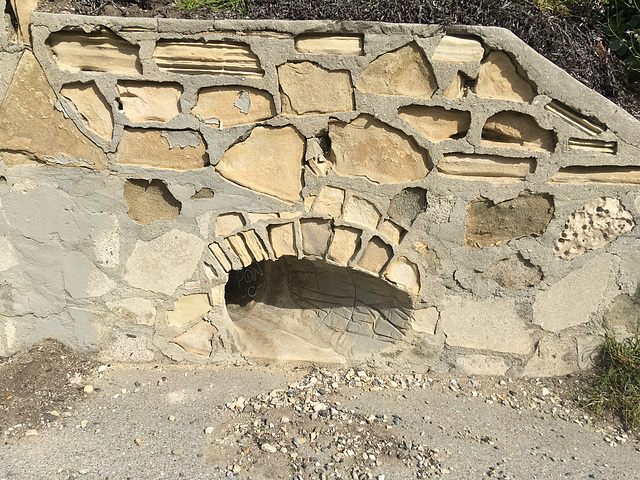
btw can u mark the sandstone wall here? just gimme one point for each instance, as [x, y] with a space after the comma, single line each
[311, 191]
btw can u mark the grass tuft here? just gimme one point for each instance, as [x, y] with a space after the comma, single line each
[617, 384]
[239, 6]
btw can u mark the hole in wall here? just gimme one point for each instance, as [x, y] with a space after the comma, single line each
[302, 310]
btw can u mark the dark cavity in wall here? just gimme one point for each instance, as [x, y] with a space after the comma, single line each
[320, 303]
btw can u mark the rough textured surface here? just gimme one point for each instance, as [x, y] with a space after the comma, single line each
[149, 102]
[32, 129]
[369, 148]
[307, 88]
[436, 123]
[380, 196]
[188, 309]
[486, 325]
[514, 273]
[403, 72]
[92, 107]
[152, 148]
[517, 130]
[492, 224]
[595, 225]
[571, 301]
[229, 106]
[150, 201]
[499, 79]
[164, 263]
[269, 161]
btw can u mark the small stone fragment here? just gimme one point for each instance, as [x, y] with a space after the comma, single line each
[88, 389]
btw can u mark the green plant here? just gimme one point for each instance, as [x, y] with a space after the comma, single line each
[620, 20]
[616, 387]
[239, 6]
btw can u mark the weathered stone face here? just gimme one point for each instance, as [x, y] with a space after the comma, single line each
[31, 129]
[517, 130]
[161, 149]
[499, 79]
[92, 107]
[330, 170]
[595, 225]
[491, 224]
[150, 201]
[76, 51]
[229, 106]
[514, 273]
[269, 161]
[367, 147]
[307, 89]
[149, 102]
[404, 72]
[436, 123]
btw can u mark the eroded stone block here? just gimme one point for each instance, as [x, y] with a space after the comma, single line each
[595, 225]
[178, 150]
[369, 148]
[283, 240]
[187, 309]
[269, 161]
[164, 263]
[319, 44]
[362, 212]
[237, 245]
[375, 256]
[22, 10]
[103, 51]
[491, 224]
[308, 89]
[489, 168]
[227, 223]
[315, 236]
[405, 274]
[314, 157]
[150, 201]
[329, 202]
[217, 252]
[425, 320]
[582, 123]
[517, 130]
[624, 313]
[149, 101]
[514, 273]
[92, 107]
[407, 205]
[498, 78]
[485, 325]
[404, 72]
[392, 232]
[344, 245]
[230, 106]
[435, 123]
[31, 129]
[458, 49]
[135, 310]
[591, 145]
[582, 175]
[254, 243]
[553, 357]
[573, 300]
[197, 340]
[202, 194]
[207, 58]
[456, 88]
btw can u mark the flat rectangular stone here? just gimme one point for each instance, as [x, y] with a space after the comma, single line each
[319, 44]
[283, 240]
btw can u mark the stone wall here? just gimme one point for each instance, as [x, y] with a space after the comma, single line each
[397, 195]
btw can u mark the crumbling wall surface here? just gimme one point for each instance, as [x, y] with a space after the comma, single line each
[398, 195]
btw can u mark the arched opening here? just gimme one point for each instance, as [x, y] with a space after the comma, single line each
[302, 310]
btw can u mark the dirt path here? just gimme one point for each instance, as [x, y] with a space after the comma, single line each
[146, 421]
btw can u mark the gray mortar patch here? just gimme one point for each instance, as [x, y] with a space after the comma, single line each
[182, 139]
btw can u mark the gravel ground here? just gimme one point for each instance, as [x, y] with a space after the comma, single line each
[188, 422]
